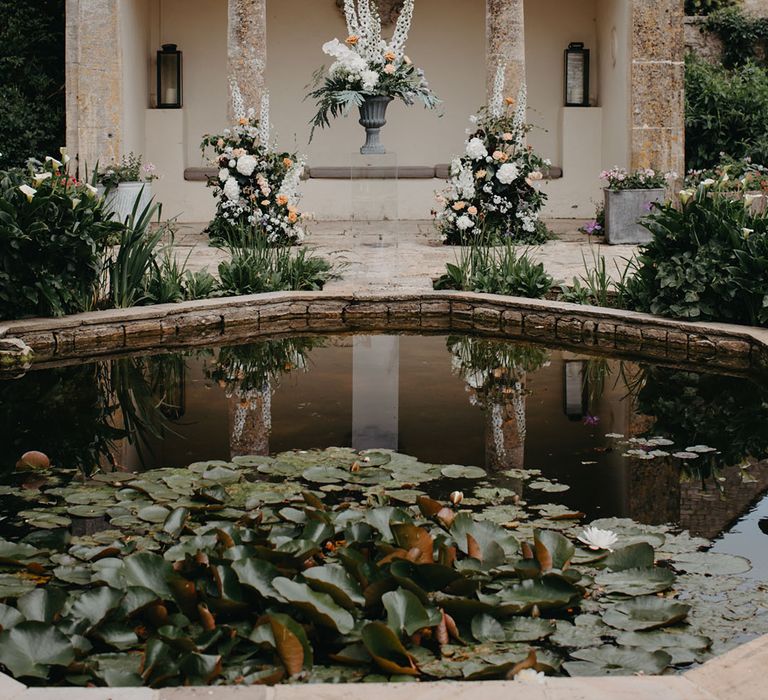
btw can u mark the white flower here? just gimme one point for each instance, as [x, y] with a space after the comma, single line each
[370, 78]
[246, 165]
[232, 190]
[686, 195]
[39, 178]
[708, 182]
[456, 497]
[28, 191]
[595, 538]
[55, 163]
[464, 222]
[476, 149]
[64, 157]
[232, 163]
[749, 199]
[92, 191]
[529, 675]
[75, 202]
[507, 173]
[223, 174]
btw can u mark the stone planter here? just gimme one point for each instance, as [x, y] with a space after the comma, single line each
[122, 199]
[373, 116]
[623, 211]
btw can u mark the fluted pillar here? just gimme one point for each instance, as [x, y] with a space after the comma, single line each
[247, 48]
[505, 43]
[658, 85]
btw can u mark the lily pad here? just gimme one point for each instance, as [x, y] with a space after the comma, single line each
[456, 471]
[711, 563]
[30, 648]
[610, 659]
[647, 613]
[636, 582]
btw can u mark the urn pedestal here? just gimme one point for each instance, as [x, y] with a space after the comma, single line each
[373, 116]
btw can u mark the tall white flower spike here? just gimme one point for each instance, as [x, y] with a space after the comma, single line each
[238, 104]
[402, 28]
[353, 23]
[497, 99]
[521, 110]
[264, 126]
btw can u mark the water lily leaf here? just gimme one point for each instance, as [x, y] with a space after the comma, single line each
[411, 537]
[318, 606]
[175, 522]
[42, 604]
[15, 585]
[91, 607]
[405, 612]
[30, 648]
[154, 514]
[583, 632]
[78, 574]
[623, 660]
[428, 577]
[667, 640]
[87, 511]
[636, 582]
[222, 475]
[646, 613]
[118, 635]
[548, 486]
[200, 669]
[325, 475]
[334, 580]
[551, 591]
[380, 519]
[552, 550]
[485, 533]
[457, 471]
[118, 670]
[527, 629]
[291, 643]
[635, 556]
[148, 570]
[711, 563]
[45, 519]
[9, 617]
[15, 552]
[487, 629]
[387, 651]
[258, 575]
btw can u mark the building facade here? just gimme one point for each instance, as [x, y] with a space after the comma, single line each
[635, 117]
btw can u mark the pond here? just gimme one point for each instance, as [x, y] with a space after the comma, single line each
[531, 443]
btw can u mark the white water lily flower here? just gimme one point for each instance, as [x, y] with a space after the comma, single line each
[246, 165]
[614, 436]
[28, 191]
[75, 203]
[40, 178]
[55, 163]
[476, 149]
[92, 191]
[507, 173]
[528, 675]
[595, 538]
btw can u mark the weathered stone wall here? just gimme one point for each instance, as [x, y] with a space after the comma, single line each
[756, 7]
[505, 43]
[658, 85]
[701, 42]
[247, 48]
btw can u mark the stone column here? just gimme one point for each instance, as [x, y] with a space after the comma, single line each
[247, 48]
[94, 82]
[505, 43]
[658, 85]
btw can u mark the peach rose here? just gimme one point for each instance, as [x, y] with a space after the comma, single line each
[293, 217]
[264, 202]
[480, 174]
[352, 39]
[390, 56]
[472, 211]
[243, 121]
[509, 100]
[287, 162]
[458, 206]
[389, 69]
[282, 200]
[507, 136]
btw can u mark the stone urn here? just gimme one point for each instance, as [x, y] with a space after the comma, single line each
[624, 209]
[121, 199]
[373, 116]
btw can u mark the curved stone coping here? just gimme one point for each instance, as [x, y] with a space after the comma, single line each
[735, 675]
[212, 321]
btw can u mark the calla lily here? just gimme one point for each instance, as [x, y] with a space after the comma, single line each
[708, 182]
[64, 157]
[686, 196]
[75, 202]
[30, 192]
[55, 163]
[595, 538]
[749, 199]
[92, 191]
[747, 232]
[40, 178]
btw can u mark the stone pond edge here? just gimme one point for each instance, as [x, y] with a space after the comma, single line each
[212, 321]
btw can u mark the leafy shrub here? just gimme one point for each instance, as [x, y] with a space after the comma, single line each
[130, 169]
[31, 79]
[706, 7]
[52, 229]
[497, 271]
[725, 113]
[708, 261]
[744, 36]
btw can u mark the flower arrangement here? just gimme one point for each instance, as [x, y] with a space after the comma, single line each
[618, 179]
[255, 185]
[366, 65]
[130, 169]
[493, 191]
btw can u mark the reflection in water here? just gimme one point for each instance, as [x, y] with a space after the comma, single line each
[528, 407]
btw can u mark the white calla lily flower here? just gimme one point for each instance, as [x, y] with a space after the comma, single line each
[28, 191]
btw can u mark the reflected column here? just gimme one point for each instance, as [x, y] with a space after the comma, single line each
[250, 421]
[375, 392]
[505, 430]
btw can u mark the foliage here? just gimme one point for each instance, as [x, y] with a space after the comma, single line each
[255, 185]
[618, 179]
[130, 169]
[708, 260]
[596, 227]
[732, 175]
[744, 36]
[368, 66]
[217, 578]
[724, 113]
[255, 266]
[52, 228]
[31, 80]
[497, 270]
[706, 7]
[595, 286]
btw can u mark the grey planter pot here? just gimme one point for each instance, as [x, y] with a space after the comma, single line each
[623, 211]
[373, 116]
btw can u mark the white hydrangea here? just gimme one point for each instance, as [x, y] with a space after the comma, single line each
[370, 79]
[246, 165]
[223, 174]
[232, 189]
[464, 222]
[507, 173]
[476, 149]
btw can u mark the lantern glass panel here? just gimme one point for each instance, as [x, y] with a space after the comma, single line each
[169, 88]
[577, 76]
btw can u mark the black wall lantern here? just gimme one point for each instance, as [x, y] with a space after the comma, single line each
[169, 82]
[576, 75]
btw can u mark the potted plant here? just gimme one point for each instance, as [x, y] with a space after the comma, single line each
[369, 72]
[628, 198]
[125, 184]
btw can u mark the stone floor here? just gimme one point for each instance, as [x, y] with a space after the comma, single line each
[408, 255]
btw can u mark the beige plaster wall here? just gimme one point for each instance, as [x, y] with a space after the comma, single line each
[613, 40]
[449, 45]
[134, 40]
[550, 25]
